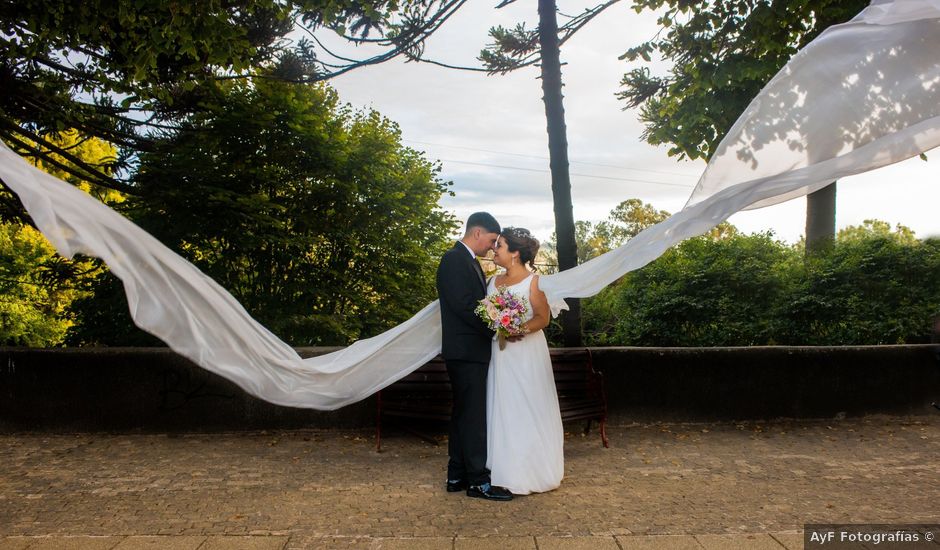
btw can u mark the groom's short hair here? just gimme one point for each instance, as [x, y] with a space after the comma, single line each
[484, 220]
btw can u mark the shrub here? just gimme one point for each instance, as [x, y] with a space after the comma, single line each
[873, 287]
[703, 292]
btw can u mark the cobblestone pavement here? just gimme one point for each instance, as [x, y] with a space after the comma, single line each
[716, 484]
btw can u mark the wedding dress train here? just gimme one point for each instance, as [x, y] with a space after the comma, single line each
[862, 95]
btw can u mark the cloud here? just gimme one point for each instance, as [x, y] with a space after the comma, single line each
[489, 132]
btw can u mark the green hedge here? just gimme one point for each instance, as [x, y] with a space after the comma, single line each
[872, 287]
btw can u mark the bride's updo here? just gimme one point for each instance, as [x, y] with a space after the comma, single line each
[521, 241]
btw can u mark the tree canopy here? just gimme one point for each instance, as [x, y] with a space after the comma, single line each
[721, 54]
[218, 139]
[130, 70]
[313, 216]
[38, 288]
[625, 221]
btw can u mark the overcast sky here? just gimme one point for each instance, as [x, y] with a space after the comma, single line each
[489, 133]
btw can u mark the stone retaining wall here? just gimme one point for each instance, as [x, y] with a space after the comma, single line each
[688, 384]
[153, 389]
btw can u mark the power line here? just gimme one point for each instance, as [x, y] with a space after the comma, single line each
[664, 172]
[682, 185]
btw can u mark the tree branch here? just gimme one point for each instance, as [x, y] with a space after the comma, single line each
[445, 65]
[576, 23]
[90, 174]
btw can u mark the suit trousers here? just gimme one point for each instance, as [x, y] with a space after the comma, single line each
[467, 444]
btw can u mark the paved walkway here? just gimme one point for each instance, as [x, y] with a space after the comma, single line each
[747, 485]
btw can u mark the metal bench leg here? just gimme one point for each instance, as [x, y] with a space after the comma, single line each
[587, 427]
[604, 433]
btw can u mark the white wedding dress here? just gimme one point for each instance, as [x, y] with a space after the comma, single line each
[524, 435]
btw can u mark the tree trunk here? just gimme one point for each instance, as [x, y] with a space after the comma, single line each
[558, 155]
[821, 219]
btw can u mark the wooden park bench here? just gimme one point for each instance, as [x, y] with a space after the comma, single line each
[425, 394]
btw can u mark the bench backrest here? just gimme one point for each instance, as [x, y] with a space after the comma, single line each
[573, 370]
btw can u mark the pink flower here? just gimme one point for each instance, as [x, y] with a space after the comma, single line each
[503, 311]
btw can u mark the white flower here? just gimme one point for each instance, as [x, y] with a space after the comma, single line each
[491, 311]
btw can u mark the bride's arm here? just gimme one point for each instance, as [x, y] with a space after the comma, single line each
[541, 315]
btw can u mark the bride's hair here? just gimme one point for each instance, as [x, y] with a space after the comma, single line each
[521, 241]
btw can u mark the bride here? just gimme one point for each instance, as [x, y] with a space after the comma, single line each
[525, 438]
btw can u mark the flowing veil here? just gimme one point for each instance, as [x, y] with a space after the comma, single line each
[863, 95]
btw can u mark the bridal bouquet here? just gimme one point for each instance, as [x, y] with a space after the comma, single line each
[503, 312]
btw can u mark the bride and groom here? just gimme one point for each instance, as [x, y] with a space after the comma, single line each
[506, 434]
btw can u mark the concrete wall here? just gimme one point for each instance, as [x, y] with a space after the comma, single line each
[150, 389]
[153, 389]
[769, 382]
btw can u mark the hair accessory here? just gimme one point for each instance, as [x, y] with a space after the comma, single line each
[519, 232]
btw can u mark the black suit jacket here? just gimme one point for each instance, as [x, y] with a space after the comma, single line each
[460, 287]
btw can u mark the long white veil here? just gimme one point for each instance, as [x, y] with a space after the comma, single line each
[863, 95]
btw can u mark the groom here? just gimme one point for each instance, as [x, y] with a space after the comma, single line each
[466, 342]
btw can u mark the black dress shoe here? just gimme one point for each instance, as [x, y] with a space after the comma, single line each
[456, 485]
[489, 492]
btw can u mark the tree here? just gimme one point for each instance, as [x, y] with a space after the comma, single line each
[624, 222]
[723, 53]
[140, 75]
[127, 70]
[513, 49]
[558, 155]
[876, 228]
[630, 217]
[143, 83]
[37, 286]
[313, 216]
[518, 48]
[85, 149]
[590, 243]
